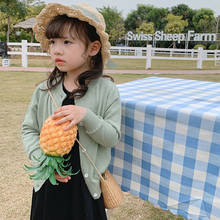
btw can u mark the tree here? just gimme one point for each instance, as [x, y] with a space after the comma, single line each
[3, 26]
[158, 17]
[137, 17]
[114, 24]
[146, 13]
[175, 25]
[186, 13]
[146, 28]
[12, 9]
[34, 7]
[204, 21]
[217, 30]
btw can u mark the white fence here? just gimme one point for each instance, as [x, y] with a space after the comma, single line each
[148, 53]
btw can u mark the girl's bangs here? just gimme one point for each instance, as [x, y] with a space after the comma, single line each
[59, 27]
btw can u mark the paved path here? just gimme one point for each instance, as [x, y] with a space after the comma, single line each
[43, 69]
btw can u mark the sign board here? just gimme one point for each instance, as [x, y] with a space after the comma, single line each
[161, 36]
[5, 62]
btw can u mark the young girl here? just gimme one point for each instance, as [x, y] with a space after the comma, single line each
[76, 40]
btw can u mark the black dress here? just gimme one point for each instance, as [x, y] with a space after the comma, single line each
[67, 201]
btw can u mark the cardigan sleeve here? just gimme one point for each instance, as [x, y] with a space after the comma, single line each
[105, 130]
[30, 130]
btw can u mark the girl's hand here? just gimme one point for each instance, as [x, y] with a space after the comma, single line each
[71, 113]
[62, 179]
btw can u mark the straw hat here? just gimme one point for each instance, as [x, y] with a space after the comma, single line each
[83, 12]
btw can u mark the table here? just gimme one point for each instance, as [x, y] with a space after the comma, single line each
[169, 152]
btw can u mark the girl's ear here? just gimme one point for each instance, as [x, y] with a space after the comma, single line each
[94, 48]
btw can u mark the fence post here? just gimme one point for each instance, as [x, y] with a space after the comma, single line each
[192, 53]
[199, 58]
[148, 61]
[215, 55]
[171, 52]
[24, 56]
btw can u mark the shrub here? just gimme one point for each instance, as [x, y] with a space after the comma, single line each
[199, 45]
[2, 36]
[212, 47]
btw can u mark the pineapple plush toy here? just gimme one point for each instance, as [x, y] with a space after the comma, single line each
[55, 143]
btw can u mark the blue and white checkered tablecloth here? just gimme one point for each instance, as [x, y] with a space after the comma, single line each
[169, 153]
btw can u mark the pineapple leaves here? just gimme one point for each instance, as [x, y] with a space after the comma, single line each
[53, 179]
[39, 175]
[47, 167]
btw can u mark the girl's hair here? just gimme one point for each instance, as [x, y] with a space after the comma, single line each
[57, 28]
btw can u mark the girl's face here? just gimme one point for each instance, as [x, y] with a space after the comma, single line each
[69, 54]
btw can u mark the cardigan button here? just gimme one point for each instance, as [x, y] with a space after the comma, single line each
[95, 195]
[83, 150]
[86, 175]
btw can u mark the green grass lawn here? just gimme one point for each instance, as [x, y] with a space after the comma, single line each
[23, 83]
[129, 64]
[139, 64]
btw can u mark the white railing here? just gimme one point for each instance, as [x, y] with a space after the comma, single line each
[23, 51]
[217, 56]
[148, 53]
